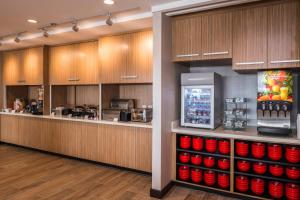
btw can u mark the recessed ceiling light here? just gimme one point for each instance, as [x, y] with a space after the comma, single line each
[32, 21]
[109, 2]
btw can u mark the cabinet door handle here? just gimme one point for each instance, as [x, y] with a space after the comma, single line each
[187, 55]
[215, 53]
[284, 61]
[21, 81]
[129, 77]
[250, 63]
[71, 79]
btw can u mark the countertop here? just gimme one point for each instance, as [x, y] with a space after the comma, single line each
[131, 124]
[249, 134]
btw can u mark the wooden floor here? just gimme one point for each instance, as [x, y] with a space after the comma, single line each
[31, 175]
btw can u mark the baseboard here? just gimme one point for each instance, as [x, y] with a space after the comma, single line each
[159, 194]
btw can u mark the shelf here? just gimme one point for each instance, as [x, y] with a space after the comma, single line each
[204, 168]
[281, 162]
[215, 188]
[267, 177]
[204, 153]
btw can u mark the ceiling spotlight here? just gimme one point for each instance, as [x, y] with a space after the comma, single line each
[32, 21]
[17, 39]
[109, 22]
[45, 34]
[109, 2]
[75, 28]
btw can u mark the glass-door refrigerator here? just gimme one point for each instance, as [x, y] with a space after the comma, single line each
[201, 100]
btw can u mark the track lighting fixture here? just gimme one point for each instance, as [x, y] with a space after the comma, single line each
[75, 28]
[109, 22]
[17, 39]
[45, 32]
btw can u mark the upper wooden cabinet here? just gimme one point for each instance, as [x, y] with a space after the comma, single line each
[284, 35]
[126, 58]
[202, 36]
[74, 64]
[216, 42]
[186, 38]
[25, 67]
[250, 38]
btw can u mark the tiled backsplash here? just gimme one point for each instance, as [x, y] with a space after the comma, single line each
[236, 85]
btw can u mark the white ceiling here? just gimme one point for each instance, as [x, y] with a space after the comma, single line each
[14, 15]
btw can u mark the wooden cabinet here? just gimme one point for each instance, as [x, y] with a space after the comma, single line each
[202, 36]
[186, 38]
[250, 38]
[24, 67]
[284, 35]
[126, 58]
[122, 146]
[216, 42]
[74, 64]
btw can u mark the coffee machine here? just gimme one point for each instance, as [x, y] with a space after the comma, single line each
[275, 102]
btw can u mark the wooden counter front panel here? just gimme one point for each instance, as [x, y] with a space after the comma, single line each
[123, 146]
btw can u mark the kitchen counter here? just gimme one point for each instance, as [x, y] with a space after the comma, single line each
[249, 134]
[130, 124]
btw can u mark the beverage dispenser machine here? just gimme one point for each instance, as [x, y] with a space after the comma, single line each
[275, 102]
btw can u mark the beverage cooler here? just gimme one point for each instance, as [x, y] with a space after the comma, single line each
[201, 100]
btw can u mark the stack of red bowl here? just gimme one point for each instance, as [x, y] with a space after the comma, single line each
[242, 148]
[258, 150]
[210, 177]
[197, 143]
[185, 142]
[243, 165]
[184, 173]
[276, 170]
[259, 168]
[274, 151]
[196, 175]
[276, 189]
[292, 191]
[224, 146]
[242, 183]
[196, 159]
[211, 145]
[292, 154]
[224, 164]
[257, 186]
[209, 161]
[292, 173]
[223, 180]
[184, 157]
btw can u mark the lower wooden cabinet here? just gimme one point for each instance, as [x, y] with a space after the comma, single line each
[122, 146]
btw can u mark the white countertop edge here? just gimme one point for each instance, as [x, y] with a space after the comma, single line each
[238, 135]
[130, 124]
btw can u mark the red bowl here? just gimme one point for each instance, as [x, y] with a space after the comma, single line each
[259, 168]
[184, 173]
[184, 157]
[243, 165]
[275, 151]
[292, 173]
[223, 180]
[196, 175]
[292, 191]
[242, 183]
[196, 159]
[276, 189]
[276, 170]
[292, 154]
[209, 161]
[185, 142]
[210, 177]
[242, 148]
[211, 145]
[257, 186]
[224, 163]
[197, 143]
[224, 146]
[258, 150]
